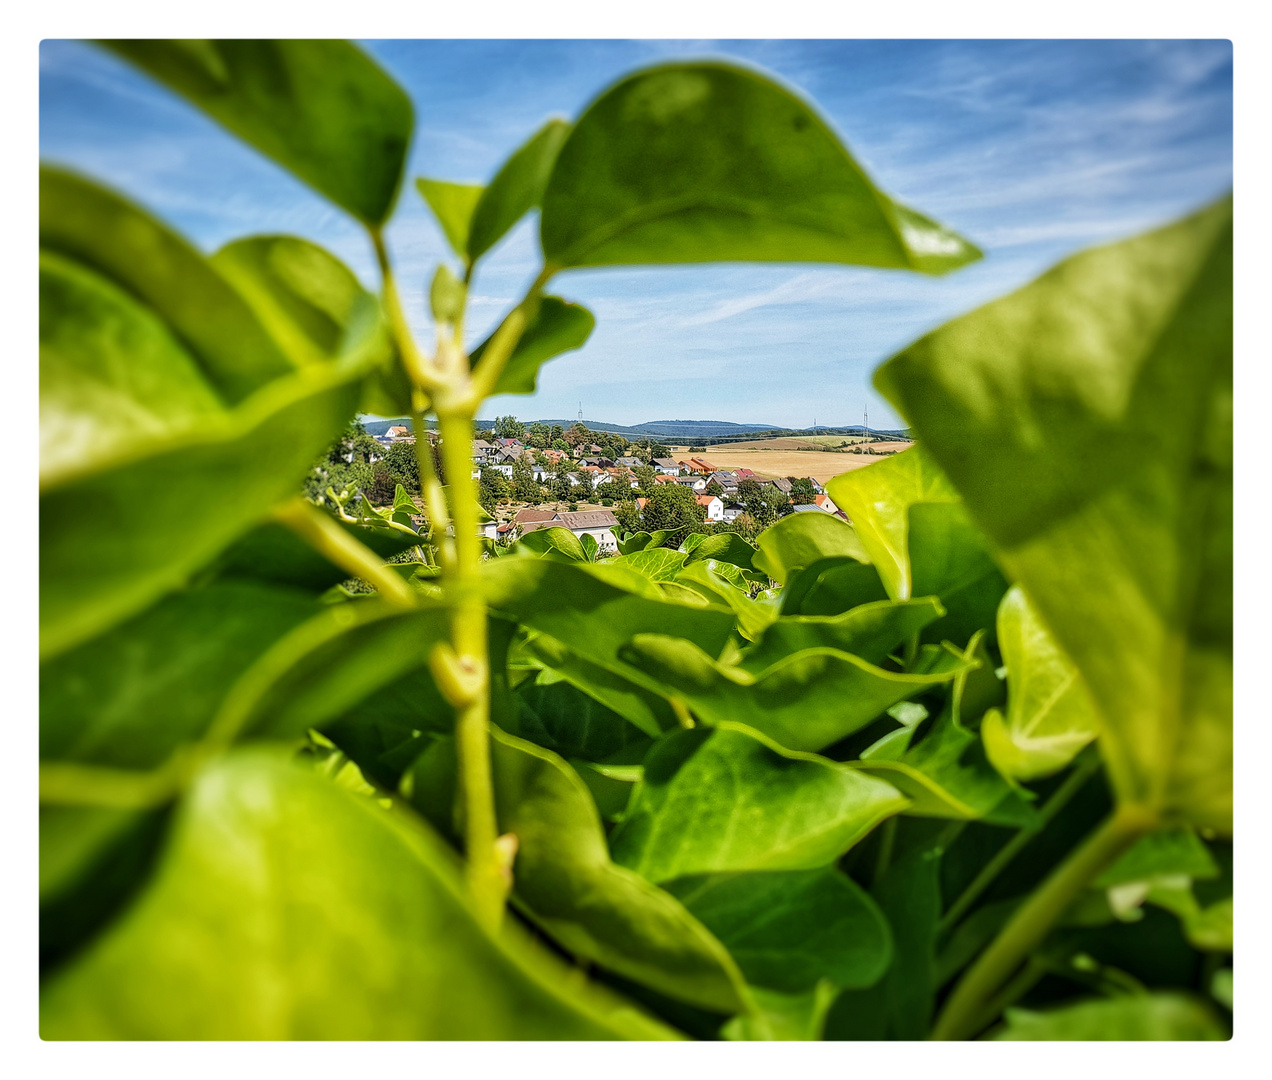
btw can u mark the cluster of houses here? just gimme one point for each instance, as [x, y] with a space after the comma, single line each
[593, 468]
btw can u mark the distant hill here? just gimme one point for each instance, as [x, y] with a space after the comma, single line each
[693, 431]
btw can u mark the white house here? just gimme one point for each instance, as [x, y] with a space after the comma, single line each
[666, 466]
[601, 525]
[715, 508]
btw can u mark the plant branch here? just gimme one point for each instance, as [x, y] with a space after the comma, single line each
[431, 487]
[470, 676]
[345, 551]
[68, 783]
[964, 1013]
[1075, 782]
[420, 371]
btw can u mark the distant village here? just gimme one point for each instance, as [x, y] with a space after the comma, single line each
[611, 485]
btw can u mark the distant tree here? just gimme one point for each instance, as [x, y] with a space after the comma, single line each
[614, 489]
[537, 436]
[714, 488]
[578, 435]
[672, 507]
[493, 489]
[573, 507]
[645, 474]
[802, 489]
[697, 449]
[561, 445]
[555, 432]
[560, 484]
[628, 515]
[763, 502]
[524, 485]
[382, 487]
[402, 465]
[509, 427]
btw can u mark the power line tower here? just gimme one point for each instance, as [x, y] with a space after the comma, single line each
[580, 412]
[865, 424]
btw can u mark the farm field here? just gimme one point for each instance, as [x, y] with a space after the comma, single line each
[822, 465]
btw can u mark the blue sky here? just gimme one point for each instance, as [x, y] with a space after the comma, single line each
[1032, 149]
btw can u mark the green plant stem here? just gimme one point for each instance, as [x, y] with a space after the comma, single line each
[331, 541]
[1072, 785]
[420, 371]
[887, 841]
[964, 1013]
[468, 636]
[68, 783]
[431, 487]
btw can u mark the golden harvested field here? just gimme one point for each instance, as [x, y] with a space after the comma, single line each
[819, 464]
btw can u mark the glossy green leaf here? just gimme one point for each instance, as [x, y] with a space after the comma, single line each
[554, 542]
[85, 222]
[654, 563]
[790, 929]
[642, 540]
[452, 205]
[111, 372]
[337, 660]
[725, 581]
[557, 327]
[593, 615]
[949, 560]
[118, 534]
[783, 1017]
[1142, 1018]
[726, 548]
[640, 706]
[558, 716]
[272, 552]
[1087, 422]
[705, 162]
[799, 540]
[878, 499]
[601, 912]
[831, 586]
[942, 767]
[515, 190]
[1050, 716]
[304, 295]
[725, 799]
[227, 941]
[1169, 853]
[870, 631]
[806, 701]
[324, 110]
[129, 698]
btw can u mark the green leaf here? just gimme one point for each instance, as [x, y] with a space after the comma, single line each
[560, 717]
[870, 631]
[706, 162]
[806, 701]
[640, 706]
[656, 564]
[949, 559]
[554, 542]
[335, 661]
[111, 372]
[116, 534]
[107, 234]
[452, 205]
[304, 295]
[725, 799]
[831, 586]
[515, 190]
[129, 698]
[556, 327]
[323, 110]
[601, 912]
[592, 614]
[727, 548]
[783, 1017]
[1087, 422]
[1170, 853]
[642, 540]
[799, 540]
[227, 941]
[724, 581]
[272, 552]
[878, 499]
[1153, 1017]
[790, 929]
[1050, 717]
